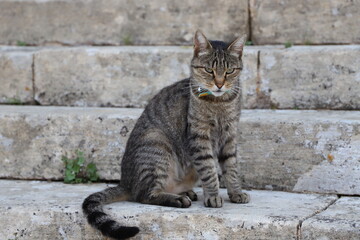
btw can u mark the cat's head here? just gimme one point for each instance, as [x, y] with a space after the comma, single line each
[216, 66]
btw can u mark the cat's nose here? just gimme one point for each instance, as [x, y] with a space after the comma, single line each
[219, 84]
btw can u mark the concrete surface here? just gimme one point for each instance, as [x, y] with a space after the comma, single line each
[315, 151]
[305, 22]
[119, 22]
[45, 210]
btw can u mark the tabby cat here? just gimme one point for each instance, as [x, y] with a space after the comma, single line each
[184, 132]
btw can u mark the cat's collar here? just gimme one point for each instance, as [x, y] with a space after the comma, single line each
[202, 92]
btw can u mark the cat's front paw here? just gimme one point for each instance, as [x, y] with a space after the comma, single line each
[191, 194]
[214, 201]
[239, 197]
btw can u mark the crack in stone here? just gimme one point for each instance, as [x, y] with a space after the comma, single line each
[249, 21]
[33, 77]
[299, 225]
[34, 101]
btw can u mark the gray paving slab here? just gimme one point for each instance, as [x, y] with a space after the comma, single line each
[341, 220]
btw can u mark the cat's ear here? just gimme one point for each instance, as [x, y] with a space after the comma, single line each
[236, 47]
[201, 44]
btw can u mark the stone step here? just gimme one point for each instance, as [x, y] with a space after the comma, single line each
[119, 22]
[50, 210]
[292, 150]
[317, 77]
[305, 22]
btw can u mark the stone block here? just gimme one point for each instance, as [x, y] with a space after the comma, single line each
[305, 22]
[16, 75]
[321, 77]
[119, 22]
[303, 151]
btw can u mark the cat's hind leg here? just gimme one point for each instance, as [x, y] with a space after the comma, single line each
[157, 179]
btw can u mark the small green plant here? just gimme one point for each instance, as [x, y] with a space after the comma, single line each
[14, 101]
[249, 43]
[77, 172]
[127, 40]
[307, 42]
[21, 43]
[288, 45]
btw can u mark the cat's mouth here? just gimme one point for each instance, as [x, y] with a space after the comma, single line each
[218, 92]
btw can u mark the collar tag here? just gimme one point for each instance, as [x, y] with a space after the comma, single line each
[203, 92]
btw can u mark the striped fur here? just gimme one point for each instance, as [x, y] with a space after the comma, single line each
[180, 138]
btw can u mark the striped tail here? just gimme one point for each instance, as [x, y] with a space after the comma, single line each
[93, 210]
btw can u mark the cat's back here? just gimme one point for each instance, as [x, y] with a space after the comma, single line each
[176, 94]
[166, 111]
[162, 123]
[169, 106]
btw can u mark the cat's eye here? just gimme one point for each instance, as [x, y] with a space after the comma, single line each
[230, 70]
[209, 70]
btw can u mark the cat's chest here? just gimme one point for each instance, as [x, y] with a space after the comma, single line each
[223, 127]
[219, 131]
